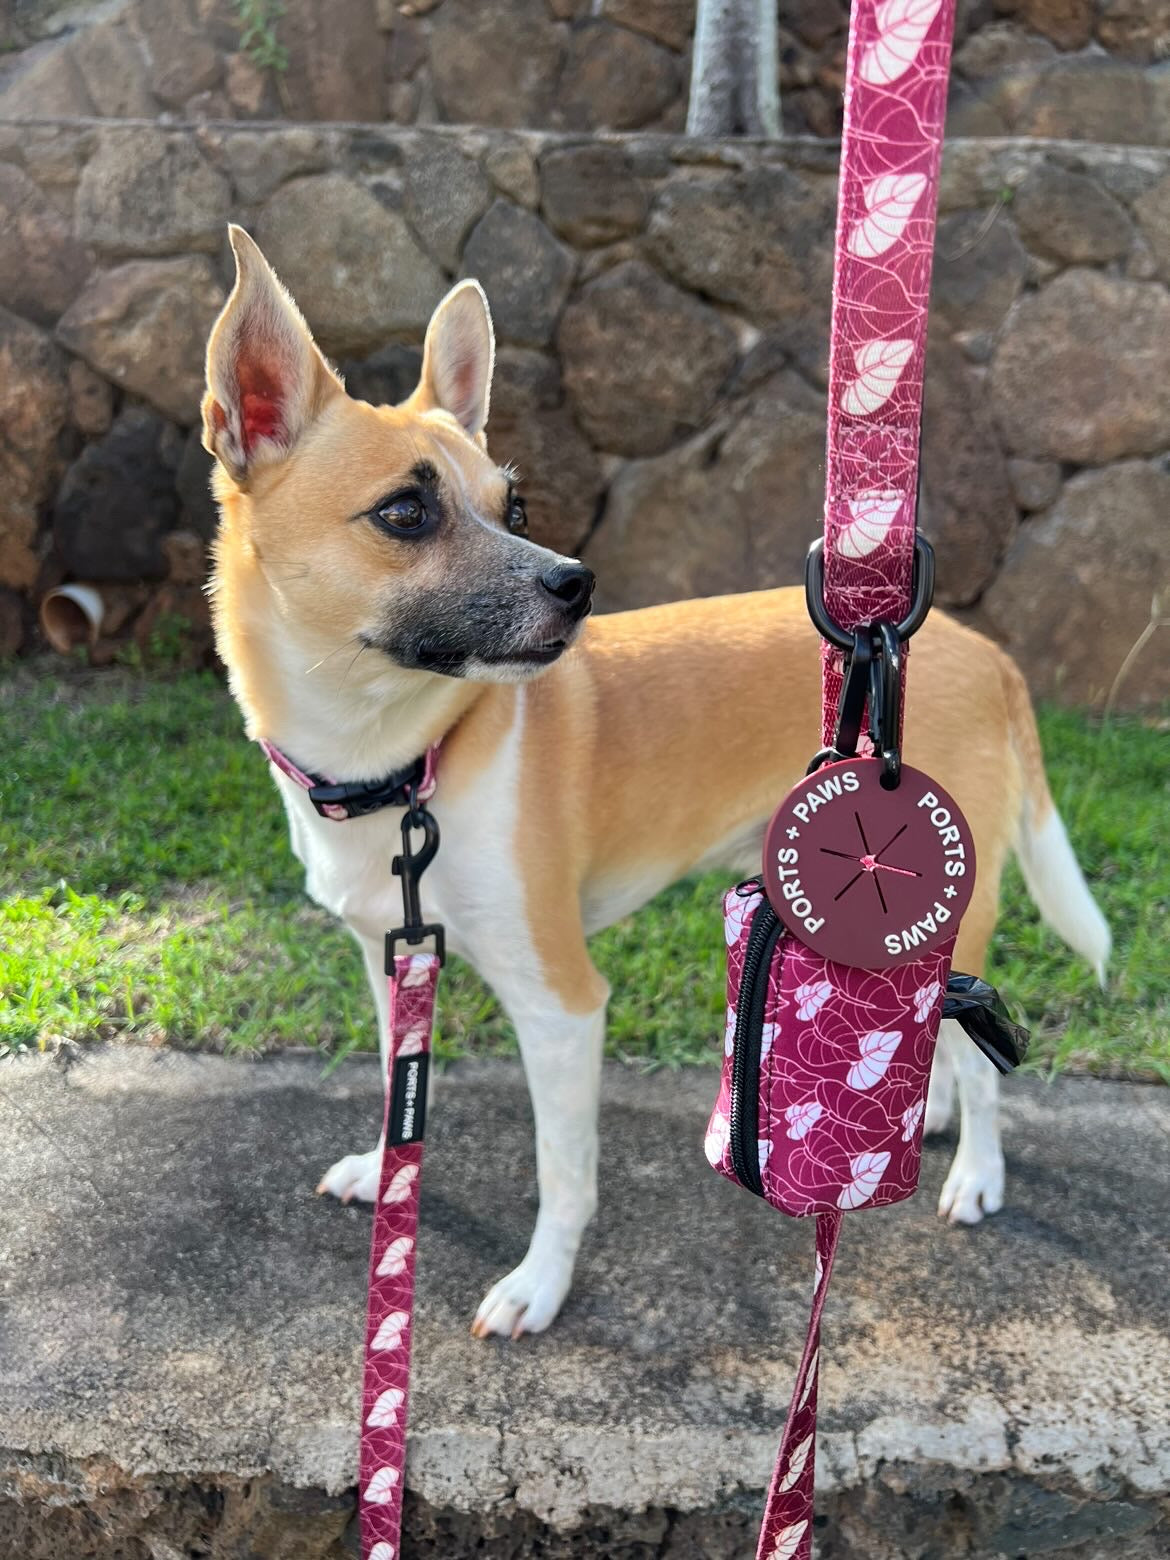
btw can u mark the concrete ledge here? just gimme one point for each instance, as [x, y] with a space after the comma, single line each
[180, 1331]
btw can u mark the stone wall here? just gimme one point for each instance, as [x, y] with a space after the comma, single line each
[662, 311]
[1091, 69]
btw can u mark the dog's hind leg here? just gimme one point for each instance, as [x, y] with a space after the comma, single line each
[356, 1176]
[562, 1060]
[974, 1185]
[940, 1098]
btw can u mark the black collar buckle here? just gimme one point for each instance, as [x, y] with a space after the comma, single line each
[359, 798]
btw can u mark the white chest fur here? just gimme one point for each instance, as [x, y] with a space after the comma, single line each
[473, 886]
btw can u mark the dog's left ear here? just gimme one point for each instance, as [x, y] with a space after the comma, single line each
[458, 356]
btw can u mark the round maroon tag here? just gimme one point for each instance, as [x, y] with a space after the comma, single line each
[866, 876]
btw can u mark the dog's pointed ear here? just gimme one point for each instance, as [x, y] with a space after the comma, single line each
[458, 356]
[266, 378]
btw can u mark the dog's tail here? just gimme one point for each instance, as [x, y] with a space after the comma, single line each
[1050, 869]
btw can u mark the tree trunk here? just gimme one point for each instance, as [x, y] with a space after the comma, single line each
[734, 85]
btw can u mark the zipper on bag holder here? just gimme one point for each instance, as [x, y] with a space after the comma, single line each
[744, 1111]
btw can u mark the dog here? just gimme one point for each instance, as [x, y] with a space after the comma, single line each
[375, 592]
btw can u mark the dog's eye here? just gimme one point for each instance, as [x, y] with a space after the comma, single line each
[517, 517]
[405, 513]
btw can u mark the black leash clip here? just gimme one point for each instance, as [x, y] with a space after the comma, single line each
[410, 866]
[873, 665]
[873, 681]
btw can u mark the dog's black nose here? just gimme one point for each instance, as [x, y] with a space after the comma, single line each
[572, 585]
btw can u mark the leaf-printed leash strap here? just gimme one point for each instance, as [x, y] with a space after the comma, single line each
[390, 1316]
[787, 1527]
[895, 107]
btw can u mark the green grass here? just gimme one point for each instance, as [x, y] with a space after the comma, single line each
[149, 893]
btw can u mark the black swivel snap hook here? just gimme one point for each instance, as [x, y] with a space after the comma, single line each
[885, 701]
[410, 866]
[873, 681]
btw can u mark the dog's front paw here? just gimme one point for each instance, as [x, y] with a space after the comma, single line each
[353, 1178]
[526, 1301]
[973, 1188]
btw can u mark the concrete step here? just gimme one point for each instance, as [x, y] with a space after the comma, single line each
[180, 1325]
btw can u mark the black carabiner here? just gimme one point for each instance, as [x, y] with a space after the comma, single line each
[885, 701]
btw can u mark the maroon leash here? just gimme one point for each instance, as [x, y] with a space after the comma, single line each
[413, 980]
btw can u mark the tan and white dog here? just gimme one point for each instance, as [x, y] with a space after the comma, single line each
[375, 592]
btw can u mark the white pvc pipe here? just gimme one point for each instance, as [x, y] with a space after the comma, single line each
[71, 615]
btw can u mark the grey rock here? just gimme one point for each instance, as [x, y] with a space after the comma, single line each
[354, 267]
[524, 270]
[117, 502]
[91, 399]
[384, 378]
[971, 112]
[1068, 23]
[733, 510]
[114, 71]
[207, 106]
[761, 240]
[1141, 263]
[667, 21]
[1106, 546]
[1082, 373]
[591, 194]
[531, 428]
[643, 362]
[992, 51]
[53, 156]
[183, 60]
[260, 161]
[42, 266]
[34, 405]
[446, 196]
[979, 269]
[1153, 213]
[1090, 98]
[335, 60]
[144, 325]
[149, 192]
[512, 169]
[46, 84]
[199, 512]
[1035, 484]
[1068, 216]
[1135, 29]
[1041, 1521]
[250, 91]
[615, 80]
[12, 623]
[817, 21]
[496, 62]
[968, 511]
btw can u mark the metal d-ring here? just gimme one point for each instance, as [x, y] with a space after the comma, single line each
[814, 591]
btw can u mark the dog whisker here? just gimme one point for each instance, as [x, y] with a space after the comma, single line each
[353, 663]
[335, 651]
